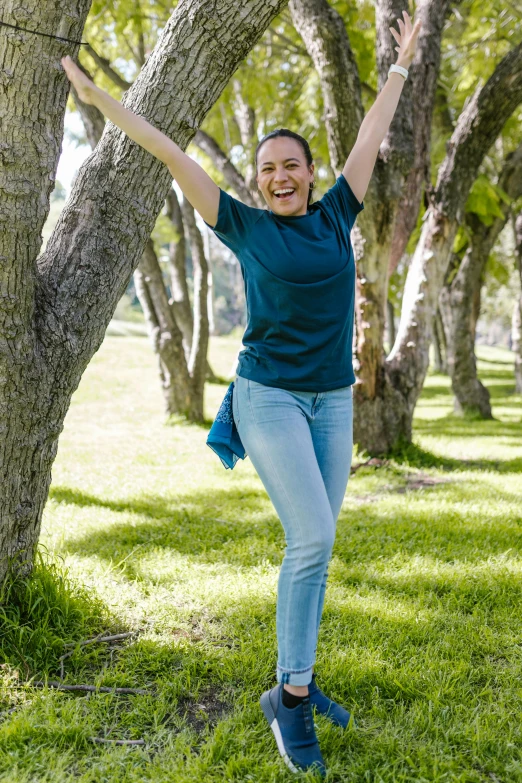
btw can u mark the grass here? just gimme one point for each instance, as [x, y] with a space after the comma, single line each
[144, 530]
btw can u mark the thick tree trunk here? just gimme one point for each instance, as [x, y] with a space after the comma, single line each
[424, 74]
[54, 312]
[32, 107]
[478, 126]
[461, 294]
[517, 309]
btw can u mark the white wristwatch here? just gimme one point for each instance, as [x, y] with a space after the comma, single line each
[398, 69]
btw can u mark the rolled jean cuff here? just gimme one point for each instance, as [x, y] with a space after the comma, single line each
[302, 677]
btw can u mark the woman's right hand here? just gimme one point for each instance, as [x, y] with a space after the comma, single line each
[82, 84]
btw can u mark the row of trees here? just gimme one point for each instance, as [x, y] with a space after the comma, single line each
[219, 77]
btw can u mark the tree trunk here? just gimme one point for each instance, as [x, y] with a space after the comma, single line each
[461, 294]
[517, 310]
[32, 107]
[456, 303]
[198, 355]
[478, 126]
[390, 322]
[54, 311]
[180, 299]
[439, 344]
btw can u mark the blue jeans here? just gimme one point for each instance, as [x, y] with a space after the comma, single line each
[300, 444]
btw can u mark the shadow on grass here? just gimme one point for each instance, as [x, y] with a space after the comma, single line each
[417, 457]
[246, 532]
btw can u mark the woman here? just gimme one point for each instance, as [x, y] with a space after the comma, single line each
[293, 390]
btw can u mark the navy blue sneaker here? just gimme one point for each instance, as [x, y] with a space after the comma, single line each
[327, 707]
[294, 731]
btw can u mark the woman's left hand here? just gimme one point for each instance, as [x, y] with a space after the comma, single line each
[407, 39]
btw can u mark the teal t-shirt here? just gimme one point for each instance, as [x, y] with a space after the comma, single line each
[299, 275]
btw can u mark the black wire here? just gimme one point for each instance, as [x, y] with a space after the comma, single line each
[46, 35]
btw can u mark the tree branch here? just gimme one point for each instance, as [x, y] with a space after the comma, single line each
[223, 163]
[107, 69]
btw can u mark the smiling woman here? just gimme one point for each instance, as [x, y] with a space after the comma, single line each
[292, 398]
[285, 172]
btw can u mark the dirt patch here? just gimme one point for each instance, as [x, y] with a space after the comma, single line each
[206, 709]
[413, 483]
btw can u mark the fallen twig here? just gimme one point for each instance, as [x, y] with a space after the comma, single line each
[89, 688]
[118, 742]
[113, 638]
[100, 638]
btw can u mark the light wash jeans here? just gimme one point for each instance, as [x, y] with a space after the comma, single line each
[300, 444]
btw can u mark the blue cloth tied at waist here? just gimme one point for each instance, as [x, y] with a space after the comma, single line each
[223, 437]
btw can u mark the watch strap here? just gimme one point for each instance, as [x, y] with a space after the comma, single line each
[398, 69]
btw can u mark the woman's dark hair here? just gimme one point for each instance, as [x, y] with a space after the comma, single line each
[291, 135]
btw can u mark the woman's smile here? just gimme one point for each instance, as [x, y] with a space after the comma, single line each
[284, 177]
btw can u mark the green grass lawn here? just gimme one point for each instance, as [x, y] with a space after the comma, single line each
[145, 531]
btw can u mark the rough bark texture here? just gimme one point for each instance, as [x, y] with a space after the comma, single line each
[517, 310]
[423, 73]
[32, 105]
[54, 311]
[477, 128]
[459, 294]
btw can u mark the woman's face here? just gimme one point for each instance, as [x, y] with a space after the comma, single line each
[281, 166]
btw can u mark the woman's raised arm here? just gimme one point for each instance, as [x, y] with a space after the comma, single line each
[197, 186]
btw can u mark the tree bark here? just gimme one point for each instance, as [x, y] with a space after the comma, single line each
[198, 354]
[424, 74]
[517, 309]
[32, 107]
[459, 294]
[54, 311]
[477, 128]
[180, 298]
[390, 321]
[439, 344]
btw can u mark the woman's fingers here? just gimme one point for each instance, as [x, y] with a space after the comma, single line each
[407, 32]
[395, 35]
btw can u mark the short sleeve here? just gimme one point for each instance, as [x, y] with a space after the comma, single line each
[341, 200]
[234, 222]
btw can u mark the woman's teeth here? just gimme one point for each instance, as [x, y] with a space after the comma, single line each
[284, 196]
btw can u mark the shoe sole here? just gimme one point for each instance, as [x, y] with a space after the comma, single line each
[268, 712]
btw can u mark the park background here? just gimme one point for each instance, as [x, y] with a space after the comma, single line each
[144, 533]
